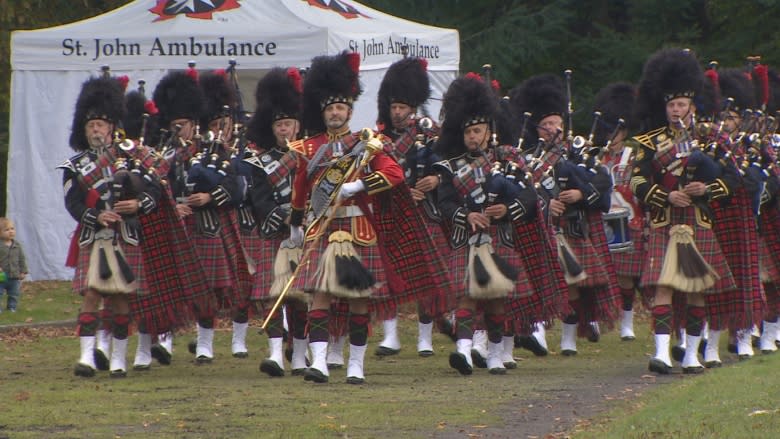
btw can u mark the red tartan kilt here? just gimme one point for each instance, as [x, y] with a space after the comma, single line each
[705, 241]
[459, 267]
[264, 256]
[212, 256]
[251, 241]
[132, 256]
[629, 264]
[442, 246]
[768, 265]
[592, 262]
[369, 257]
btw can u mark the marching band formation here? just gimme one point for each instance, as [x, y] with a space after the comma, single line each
[495, 221]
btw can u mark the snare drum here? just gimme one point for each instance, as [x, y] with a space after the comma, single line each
[617, 231]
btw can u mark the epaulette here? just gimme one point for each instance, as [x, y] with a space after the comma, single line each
[651, 138]
[254, 160]
[71, 162]
[444, 165]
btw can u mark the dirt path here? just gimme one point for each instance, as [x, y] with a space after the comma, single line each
[557, 410]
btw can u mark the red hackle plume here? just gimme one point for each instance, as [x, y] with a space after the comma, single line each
[151, 108]
[294, 76]
[192, 73]
[762, 73]
[123, 80]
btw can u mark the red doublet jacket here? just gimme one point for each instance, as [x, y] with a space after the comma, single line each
[384, 174]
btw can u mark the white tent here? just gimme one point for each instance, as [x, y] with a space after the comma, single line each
[145, 39]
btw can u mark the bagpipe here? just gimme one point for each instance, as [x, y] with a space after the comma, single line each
[418, 161]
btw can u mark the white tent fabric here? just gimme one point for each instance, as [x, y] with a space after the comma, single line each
[144, 40]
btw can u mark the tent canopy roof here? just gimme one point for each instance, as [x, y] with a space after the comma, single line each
[258, 34]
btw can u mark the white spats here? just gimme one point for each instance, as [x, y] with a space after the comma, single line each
[691, 358]
[238, 344]
[767, 341]
[204, 347]
[87, 347]
[745, 343]
[712, 351]
[569, 339]
[627, 326]
[495, 363]
[506, 354]
[355, 365]
[118, 357]
[300, 348]
[319, 353]
[464, 346]
[390, 329]
[143, 352]
[335, 351]
[662, 349]
[425, 339]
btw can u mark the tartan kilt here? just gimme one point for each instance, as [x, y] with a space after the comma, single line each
[736, 232]
[132, 256]
[593, 262]
[459, 268]
[442, 246]
[705, 241]
[251, 241]
[263, 254]
[605, 299]
[768, 265]
[369, 257]
[549, 299]
[629, 264]
[212, 255]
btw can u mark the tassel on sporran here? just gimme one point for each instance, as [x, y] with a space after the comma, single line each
[109, 272]
[285, 263]
[572, 270]
[489, 275]
[684, 268]
[340, 272]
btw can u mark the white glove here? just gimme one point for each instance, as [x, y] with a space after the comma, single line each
[296, 236]
[351, 188]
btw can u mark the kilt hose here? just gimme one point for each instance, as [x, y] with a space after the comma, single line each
[736, 231]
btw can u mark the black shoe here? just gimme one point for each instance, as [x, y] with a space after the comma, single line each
[695, 370]
[628, 338]
[459, 362]
[425, 354]
[119, 373]
[745, 357]
[382, 351]
[101, 360]
[445, 327]
[335, 366]
[767, 351]
[659, 367]
[192, 346]
[594, 333]
[142, 367]
[241, 354]
[355, 380]
[510, 365]
[315, 375]
[202, 359]
[712, 364]
[568, 353]
[298, 372]
[162, 355]
[678, 353]
[271, 368]
[497, 371]
[530, 343]
[82, 370]
[478, 360]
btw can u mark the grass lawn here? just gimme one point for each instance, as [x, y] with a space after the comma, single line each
[42, 301]
[605, 391]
